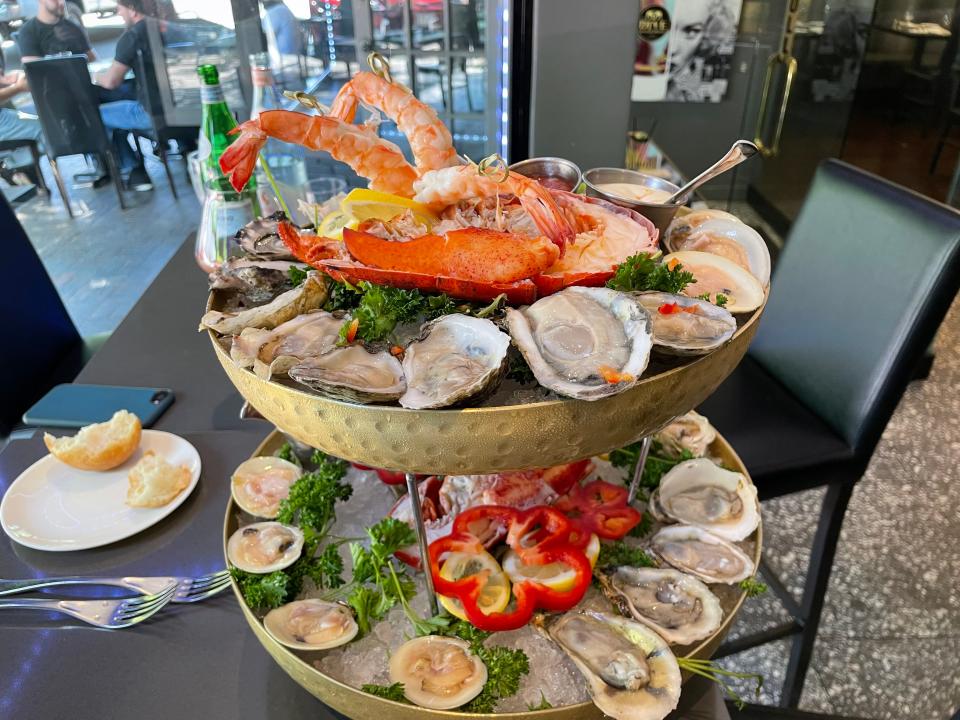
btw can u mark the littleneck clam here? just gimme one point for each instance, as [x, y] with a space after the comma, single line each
[457, 357]
[286, 306]
[683, 225]
[731, 239]
[259, 484]
[437, 672]
[584, 342]
[695, 551]
[715, 275]
[274, 352]
[311, 625]
[264, 547]
[691, 432]
[353, 373]
[677, 605]
[699, 492]
[684, 325]
[630, 671]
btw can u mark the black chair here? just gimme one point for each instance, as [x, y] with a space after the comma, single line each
[44, 348]
[866, 276]
[70, 116]
[31, 145]
[162, 133]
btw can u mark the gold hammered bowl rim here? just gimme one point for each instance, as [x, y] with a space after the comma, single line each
[497, 409]
[309, 668]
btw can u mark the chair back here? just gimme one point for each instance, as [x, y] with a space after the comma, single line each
[40, 336]
[67, 106]
[867, 275]
[148, 93]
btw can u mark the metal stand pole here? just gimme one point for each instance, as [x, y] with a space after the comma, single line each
[414, 496]
[638, 473]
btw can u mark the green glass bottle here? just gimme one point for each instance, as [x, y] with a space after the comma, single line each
[216, 121]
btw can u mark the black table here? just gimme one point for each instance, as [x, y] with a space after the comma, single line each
[189, 661]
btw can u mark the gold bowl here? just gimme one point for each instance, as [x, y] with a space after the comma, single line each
[359, 705]
[472, 441]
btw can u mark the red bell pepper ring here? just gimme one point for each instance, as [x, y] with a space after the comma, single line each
[487, 523]
[601, 508]
[537, 530]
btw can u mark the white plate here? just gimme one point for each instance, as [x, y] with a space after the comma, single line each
[53, 506]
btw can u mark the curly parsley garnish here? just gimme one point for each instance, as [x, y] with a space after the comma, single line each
[388, 692]
[644, 271]
[619, 553]
[753, 587]
[297, 275]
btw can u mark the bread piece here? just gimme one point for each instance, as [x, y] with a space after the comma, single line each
[101, 446]
[155, 482]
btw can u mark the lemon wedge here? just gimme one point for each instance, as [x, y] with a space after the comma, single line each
[495, 595]
[556, 575]
[365, 204]
[333, 224]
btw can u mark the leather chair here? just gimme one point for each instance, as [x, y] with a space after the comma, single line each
[43, 347]
[69, 115]
[867, 274]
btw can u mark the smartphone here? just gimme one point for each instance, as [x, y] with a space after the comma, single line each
[72, 406]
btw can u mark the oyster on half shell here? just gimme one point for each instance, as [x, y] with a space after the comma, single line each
[352, 373]
[260, 238]
[584, 342]
[630, 671]
[699, 492]
[286, 306]
[684, 325]
[274, 352]
[691, 432]
[695, 551]
[677, 605]
[457, 357]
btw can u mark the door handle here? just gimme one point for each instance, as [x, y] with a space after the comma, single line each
[769, 150]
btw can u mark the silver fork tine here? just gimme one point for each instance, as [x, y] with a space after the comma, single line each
[132, 612]
[198, 594]
[210, 579]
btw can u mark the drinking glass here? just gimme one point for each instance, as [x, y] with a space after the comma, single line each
[316, 192]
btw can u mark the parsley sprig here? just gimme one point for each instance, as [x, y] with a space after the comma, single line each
[753, 587]
[645, 271]
[619, 553]
[389, 692]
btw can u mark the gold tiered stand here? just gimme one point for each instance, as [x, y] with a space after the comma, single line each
[476, 441]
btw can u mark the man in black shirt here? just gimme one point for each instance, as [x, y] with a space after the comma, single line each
[123, 116]
[50, 33]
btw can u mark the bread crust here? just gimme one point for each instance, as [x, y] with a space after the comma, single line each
[101, 446]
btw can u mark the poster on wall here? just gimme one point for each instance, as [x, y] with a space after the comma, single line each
[684, 49]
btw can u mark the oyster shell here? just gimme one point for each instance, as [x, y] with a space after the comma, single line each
[683, 225]
[260, 237]
[731, 239]
[286, 306]
[716, 275]
[353, 373]
[256, 280]
[705, 556]
[274, 352]
[264, 547]
[311, 625]
[577, 340]
[697, 328]
[691, 432]
[457, 357]
[439, 673]
[259, 484]
[678, 606]
[630, 671]
[699, 492]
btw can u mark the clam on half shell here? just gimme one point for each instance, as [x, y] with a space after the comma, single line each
[457, 357]
[264, 547]
[677, 605]
[705, 556]
[697, 328]
[259, 484]
[683, 225]
[731, 239]
[699, 492]
[630, 671]
[311, 624]
[437, 672]
[584, 342]
[716, 275]
[354, 374]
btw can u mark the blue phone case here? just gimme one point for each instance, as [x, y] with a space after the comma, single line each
[70, 405]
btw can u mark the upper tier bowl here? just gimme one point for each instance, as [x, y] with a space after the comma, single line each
[470, 441]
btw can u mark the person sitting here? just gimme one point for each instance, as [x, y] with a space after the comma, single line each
[50, 33]
[280, 24]
[123, 116]
[15, 125]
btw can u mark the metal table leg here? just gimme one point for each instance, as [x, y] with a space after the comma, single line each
[414, 496]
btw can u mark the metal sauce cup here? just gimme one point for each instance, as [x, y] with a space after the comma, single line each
[550, 167]
[660, 215]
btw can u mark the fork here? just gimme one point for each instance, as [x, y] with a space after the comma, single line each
[187, 589]
[111, 614]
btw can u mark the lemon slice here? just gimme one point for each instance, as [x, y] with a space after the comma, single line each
[556, 575]
[333, 224]
[365, 204]
[496, 592]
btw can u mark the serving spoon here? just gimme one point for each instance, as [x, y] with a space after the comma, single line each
[741, 150]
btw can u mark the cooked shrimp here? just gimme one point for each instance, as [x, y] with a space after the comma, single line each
[370, 156]
[440, 188]
[430, 140]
